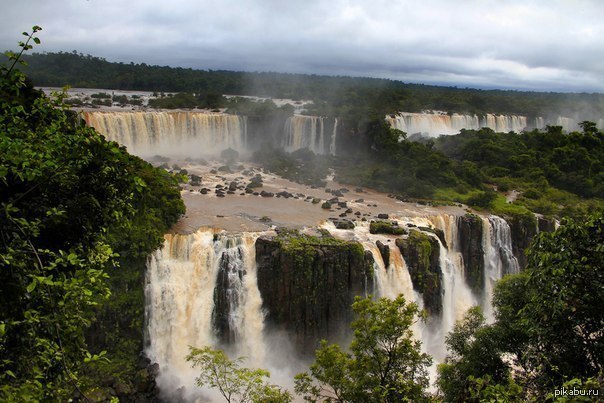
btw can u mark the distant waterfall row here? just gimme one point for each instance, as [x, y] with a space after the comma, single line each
[569, 124]
[435, 124]
[202, 289]
[173, 132]
[309, 132]
[200, 133]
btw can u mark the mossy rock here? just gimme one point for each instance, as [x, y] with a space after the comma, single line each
[470, 234]
[386, 227]
[422, 254]
[308, 284]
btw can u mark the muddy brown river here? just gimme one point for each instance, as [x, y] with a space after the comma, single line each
[241, 211]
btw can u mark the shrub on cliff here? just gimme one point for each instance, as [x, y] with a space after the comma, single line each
[386, 227]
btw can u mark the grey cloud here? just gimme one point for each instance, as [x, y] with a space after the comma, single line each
[542, 44]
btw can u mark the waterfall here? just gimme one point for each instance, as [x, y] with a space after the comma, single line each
[567, 124]
[180, 133]
[182, 293]
[498, 258]
[458, 297]
[433, 124]
[201, 289]
[393, 280]
[437, 123]
[304, 132]
[332, 144]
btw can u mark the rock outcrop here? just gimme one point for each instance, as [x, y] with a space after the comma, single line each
[470, 235]
[422, 254]
[523, 229]
[308, 284]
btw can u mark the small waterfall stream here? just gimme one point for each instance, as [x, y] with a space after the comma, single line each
[498, 258]
[304, 132]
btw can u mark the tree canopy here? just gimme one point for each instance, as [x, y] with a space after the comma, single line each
[385, 362]
[333, 95]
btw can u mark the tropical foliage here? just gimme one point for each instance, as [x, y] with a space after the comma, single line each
[385, 363]
[69, 202]
[235, 383]
[548, 328]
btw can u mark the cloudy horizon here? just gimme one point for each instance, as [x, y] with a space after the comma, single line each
[523, 45]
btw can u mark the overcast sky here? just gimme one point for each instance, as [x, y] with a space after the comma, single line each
[545, 45]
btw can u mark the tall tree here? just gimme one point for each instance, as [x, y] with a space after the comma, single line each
[235, 383]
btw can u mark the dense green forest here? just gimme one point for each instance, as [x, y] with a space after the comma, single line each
[75, 210]
[333, 96]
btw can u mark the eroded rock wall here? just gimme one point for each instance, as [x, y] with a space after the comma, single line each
[308, 284]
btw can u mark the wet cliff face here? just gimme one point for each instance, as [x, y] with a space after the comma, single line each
[308, 284]
[384, 251]
[422, 253]
[470, 237]
[523, 230]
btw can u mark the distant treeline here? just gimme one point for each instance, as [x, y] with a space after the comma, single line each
[341, 96]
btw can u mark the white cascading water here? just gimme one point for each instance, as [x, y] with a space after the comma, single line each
[390, 281]
[394, 280]
[499, 258]
[504, 123]
[457, 295]
[179, 292]
[332, 144]
[437, 123]
[304, 132]
[145, 133]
